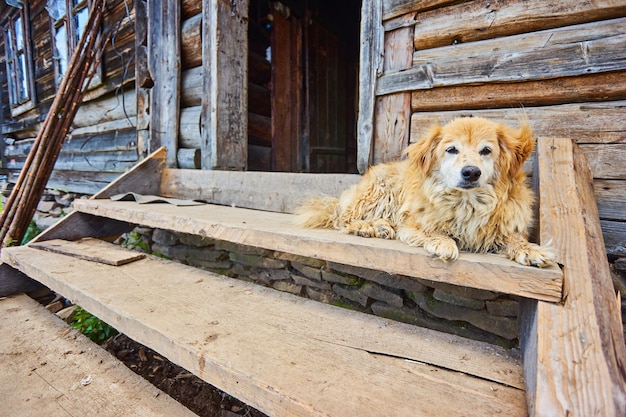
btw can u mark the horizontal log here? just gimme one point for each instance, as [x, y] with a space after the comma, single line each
[259, 69]
[393, 8]
[188, 158]
[191, 87]
[475, 20]
[191, 42]
[593, 87]
[606, 160]
[614, 234]
[111, 107]
[583, 122]
[259, 100]
[260, 128]
[118, 161]
[611, 199]
[189, 129]
[534, 63]
[189, 8]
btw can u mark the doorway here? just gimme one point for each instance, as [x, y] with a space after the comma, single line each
[303, 71]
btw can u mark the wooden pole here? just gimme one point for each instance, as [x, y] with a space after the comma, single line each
[22, 203]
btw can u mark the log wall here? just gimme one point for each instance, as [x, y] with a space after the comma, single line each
[562, 65]
[102, 143]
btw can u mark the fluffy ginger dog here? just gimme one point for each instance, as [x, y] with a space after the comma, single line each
[461, 187]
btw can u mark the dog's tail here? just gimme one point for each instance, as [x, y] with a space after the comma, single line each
[317, 213]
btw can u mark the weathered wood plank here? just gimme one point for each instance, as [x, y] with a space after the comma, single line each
[440, 27]
[44, 360]
[606, 160]
[280, 192]
[302, 357]
[594, 87]
[393, 8]
[143, 178]
[611, 199]
[371, 62]
[574, 353]
[116, 106]
[275, 231]
[614, 233]
[589, 123]
[225, 93]
[393, 112]
[164, 44]
[89, 249]
[494, 66]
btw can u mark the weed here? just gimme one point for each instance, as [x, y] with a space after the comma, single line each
[91, 326]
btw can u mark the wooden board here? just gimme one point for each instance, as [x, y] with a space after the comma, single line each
[512, 59]
[574, 353]
[499, 18]
[284, 354]
[44, 361]
[89, 249]
[276, 231]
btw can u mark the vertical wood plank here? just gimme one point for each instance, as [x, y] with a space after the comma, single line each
[224, 121]
[286, 99]
[164, 49]
[393, 112]
[574, 353]
[371, 53]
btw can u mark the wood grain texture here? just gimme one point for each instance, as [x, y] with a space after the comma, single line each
[574, 353]
[392, 112]
[585, 88]
[165, 67]
[275, 231]
[89, 249]
[225, 93]
[371, 65]
[545, 62]
[43, 362]
[283, 354]
[498, 18]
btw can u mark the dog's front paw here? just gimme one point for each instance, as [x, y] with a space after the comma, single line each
[534, 255]
[442, 247]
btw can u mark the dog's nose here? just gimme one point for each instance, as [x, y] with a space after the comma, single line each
[470, 173]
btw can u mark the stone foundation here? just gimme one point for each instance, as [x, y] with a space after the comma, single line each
[476, 314]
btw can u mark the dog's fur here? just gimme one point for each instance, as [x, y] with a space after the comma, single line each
[461, 186]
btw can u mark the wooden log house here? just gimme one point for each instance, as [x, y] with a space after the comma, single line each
[257, 102]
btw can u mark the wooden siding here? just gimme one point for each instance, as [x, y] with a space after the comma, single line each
[102, 143]
[563, 65]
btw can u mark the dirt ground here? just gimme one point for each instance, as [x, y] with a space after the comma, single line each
[200, 397]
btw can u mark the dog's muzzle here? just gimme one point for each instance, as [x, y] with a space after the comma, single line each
[470, 175]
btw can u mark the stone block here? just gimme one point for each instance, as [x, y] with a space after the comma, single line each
[377, 292]
[352, 294]
[340, 278]
[287, 286]
[241, 249]
[164, 237]
[502, 326]
[458, 300]
[304, 281]
[307, 271]
[503, 307]
[257, 261]
[327, 297]
[46, 206]
[462, 291]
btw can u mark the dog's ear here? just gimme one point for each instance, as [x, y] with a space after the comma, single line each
[422, 153]
[516, 145]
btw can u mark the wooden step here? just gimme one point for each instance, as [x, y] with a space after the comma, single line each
[50, 369]
[276, 231]
[283, 354]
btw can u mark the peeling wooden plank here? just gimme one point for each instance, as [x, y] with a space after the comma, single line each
[90, 249]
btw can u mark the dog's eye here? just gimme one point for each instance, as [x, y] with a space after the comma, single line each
[453, 150]
[485, 151]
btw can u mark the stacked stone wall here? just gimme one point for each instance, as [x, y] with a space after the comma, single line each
[476, 314]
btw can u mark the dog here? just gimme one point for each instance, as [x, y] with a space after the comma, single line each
[461, 187]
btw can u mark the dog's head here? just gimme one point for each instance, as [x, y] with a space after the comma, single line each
[471, 152]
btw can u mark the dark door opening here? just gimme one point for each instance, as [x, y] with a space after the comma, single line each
[303, 70]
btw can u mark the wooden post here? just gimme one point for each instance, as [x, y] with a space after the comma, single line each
[574, 353]
[224, 122]
[371, 53]
[164, 49]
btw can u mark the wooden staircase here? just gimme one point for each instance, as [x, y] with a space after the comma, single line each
[289, 356]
